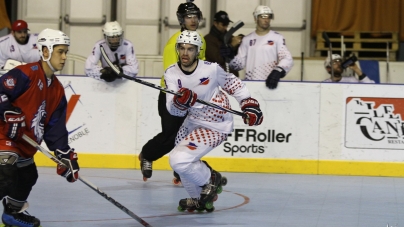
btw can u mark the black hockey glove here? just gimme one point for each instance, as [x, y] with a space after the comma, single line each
[251, 108]
[15, 123]
[226, 52]
[69, 158]
[274, 77]
[108, 74]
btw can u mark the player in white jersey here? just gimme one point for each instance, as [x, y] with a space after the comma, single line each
[339, 71]
[19, 45]
[204, 127]
[263, 52]
[117, 48]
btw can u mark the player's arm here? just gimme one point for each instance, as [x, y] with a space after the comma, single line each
[239, 61]
[233, 85]
[173, 105]
[131, 68]
[285, 59]
[12, 85]
[56, 138]
[92, 69]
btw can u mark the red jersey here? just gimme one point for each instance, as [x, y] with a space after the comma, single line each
[44, 104]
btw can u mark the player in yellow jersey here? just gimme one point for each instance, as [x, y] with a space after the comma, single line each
[189, 16]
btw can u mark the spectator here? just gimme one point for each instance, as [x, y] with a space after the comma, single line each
[339, 70]
[215, 39]
[117, 48]
[19, 45]
[263, 52]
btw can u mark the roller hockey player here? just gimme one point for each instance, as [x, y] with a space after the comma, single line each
[204, 127]
[189, 16]
[33, 103]
[117, 48]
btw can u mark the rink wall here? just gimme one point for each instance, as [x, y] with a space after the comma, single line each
[308, 128]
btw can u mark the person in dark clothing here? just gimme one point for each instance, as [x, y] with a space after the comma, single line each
[214, 40]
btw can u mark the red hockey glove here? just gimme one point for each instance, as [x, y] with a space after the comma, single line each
[274, 77]
[187, 99]
[251, 108]
[15, 123]
[69, 158]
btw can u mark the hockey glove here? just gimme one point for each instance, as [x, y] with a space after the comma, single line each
[251, 108]
[274, 77]
[226, 52]
[15, 123]
[108, 75]
[187, 99]
[71, 170]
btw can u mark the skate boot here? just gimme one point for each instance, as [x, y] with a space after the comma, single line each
[177, 179]
[15, 216]
[212, 189]
[191, 204]
[146, 167]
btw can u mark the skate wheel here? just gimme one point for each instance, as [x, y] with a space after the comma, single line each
[209, 205]
[176, 181]
[219, 189]
[215, 198]
[190, 210]
[224, 181]
[144, 179]
[179, 208]
[210, 210]
[200, 210]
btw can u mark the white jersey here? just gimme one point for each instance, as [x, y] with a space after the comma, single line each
[124, 55]
[11, 49]
[260, 54]
[205, 81]
[352, 79]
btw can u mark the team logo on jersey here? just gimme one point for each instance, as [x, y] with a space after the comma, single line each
[204, 81]
[123, 57]
[192, 146]
[270, 42]
[40, 85]
[38, 122]
[9, 82]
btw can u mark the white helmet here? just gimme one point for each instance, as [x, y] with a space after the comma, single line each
[49, 38]
[334, 57]
[263, 10]
[112, 29]
[191, 37]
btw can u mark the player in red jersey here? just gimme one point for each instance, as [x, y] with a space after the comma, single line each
[33, 102]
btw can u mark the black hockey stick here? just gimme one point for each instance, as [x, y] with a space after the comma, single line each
[120, 74]
[227, 37]
[327, 41]
[86, 182]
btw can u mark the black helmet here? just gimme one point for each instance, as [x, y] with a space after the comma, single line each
[186, 9]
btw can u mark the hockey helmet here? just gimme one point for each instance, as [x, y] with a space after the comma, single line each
[113, 34]
[187, 9]
[190, 37]
[263, 10]
[334, 57]
[49, 38]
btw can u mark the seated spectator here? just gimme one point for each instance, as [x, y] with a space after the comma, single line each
[339, 71]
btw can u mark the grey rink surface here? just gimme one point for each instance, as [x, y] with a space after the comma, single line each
[249, 199]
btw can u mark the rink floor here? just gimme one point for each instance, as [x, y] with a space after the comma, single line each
[249, 199]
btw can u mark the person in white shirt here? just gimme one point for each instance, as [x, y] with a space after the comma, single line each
[263, 52]
[339, 71]
[118, 49]
[204, 127]
[19, 45]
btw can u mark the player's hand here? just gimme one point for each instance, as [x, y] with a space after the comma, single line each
[251, 108]
[15, 123]
[274, 77]
[71, 169]
[108, 74]
[226, 52]
[187, 99]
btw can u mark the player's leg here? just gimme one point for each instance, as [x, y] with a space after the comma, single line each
[163, 142]
[23, 177]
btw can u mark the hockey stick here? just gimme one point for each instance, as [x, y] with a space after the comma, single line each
[227, 37]
[327, 41]
[387, 63]
[119, 73]
[86, 182]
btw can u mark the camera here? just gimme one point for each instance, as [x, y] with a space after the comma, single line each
[348, 62]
